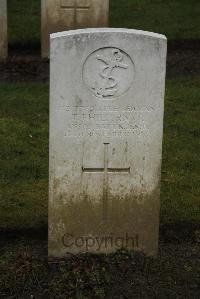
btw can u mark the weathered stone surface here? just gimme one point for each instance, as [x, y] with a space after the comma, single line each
[3, 29]
[60, 15]
[106, 126]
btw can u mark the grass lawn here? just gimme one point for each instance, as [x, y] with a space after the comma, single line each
[180, 192]
[24, 268]
[24, 154]
[177, 19]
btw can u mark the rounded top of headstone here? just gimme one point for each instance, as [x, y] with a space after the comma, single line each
[107, 30]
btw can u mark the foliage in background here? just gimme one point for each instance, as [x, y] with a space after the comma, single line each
[24, 19]
[177, 19]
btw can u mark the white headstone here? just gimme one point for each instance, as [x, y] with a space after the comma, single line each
[106, 126]
[3, 29]
[59, 15]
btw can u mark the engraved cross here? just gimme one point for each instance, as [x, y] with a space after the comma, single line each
[76, 6]
[106, 170]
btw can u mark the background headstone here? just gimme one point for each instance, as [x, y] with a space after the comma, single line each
[106, 126]
[61, 15]
[3, 29]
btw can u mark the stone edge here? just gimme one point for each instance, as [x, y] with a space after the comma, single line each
[107, 30]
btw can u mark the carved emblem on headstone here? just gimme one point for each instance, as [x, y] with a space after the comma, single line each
[108, 85]
[113, 73]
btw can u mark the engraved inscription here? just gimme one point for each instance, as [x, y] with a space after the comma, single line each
[112, 73]
[90, 121]
[106, 170]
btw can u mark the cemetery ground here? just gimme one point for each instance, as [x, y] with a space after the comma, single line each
[24, 269]
[23, 207]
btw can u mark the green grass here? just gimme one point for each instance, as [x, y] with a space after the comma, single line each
[180, 193]
[24, 154]
[177, 19]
